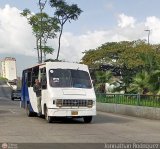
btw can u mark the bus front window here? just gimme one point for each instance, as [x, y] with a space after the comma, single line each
[69, 78]
[80, 79]
[59, 78]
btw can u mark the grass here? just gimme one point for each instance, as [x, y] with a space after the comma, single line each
[3, 79]
[19, 84]
[130, 99]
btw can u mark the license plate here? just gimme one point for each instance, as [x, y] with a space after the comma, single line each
[74, 112]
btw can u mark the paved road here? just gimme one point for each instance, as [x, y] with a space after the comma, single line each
[16, 127]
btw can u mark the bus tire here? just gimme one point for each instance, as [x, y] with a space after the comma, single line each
[29, 113]
[48, 118]
[87, 119]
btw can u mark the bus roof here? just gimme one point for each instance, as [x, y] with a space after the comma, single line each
[44, 63]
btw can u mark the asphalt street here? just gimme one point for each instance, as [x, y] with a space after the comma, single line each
[17, 128]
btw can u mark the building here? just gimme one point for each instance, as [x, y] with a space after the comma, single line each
[8, 69]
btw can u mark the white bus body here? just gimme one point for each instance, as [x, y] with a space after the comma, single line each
[67, 90]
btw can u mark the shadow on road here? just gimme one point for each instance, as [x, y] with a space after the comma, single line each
[99, 119]
[68, 120]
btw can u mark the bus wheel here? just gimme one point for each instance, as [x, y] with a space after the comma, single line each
[48, 118]
[29, 113]
[87, 119]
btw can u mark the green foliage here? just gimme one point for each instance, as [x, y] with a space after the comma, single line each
[155, 82]
[44, 27]
[122, 54]
[19, 83]
[3, 79]
[64, 12]
[26, 12]
[101, 78]
[132, 58]
[47, 49]
[140, 83]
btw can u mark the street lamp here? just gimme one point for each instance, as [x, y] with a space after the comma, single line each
[148, 30]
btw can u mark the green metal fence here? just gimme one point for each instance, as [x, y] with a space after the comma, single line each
[130, 99]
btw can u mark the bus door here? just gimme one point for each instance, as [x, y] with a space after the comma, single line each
[43, 80]
[24, 89]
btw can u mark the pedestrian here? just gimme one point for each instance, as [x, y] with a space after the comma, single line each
[37, 90]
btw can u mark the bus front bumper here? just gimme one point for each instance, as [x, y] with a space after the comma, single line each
[71, 112]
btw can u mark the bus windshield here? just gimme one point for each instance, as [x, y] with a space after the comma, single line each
[69, 78]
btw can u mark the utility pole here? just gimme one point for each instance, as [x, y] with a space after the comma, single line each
[148, 30]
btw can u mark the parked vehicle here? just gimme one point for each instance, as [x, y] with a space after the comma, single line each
[16, 94]
[67, 91]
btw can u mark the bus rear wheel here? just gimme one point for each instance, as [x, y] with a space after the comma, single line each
[87, 119]
[48, 118]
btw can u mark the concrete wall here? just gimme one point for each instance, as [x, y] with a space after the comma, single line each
[137, 111]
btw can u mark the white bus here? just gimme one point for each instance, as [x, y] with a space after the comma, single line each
[67, 91]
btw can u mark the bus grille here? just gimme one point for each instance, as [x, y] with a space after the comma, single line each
[75, 103]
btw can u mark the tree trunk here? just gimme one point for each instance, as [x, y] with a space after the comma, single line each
[40, 44]
[59, 41]
[44, 53]
[37, 49]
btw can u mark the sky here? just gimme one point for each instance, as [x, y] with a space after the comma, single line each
[101, 21]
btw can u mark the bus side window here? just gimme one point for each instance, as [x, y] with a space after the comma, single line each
[35, 72]
[29, 79]
[25, 77]
[33, 80]
[43, 78]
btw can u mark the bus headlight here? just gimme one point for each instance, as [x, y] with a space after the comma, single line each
[59, 103]
[90, 103]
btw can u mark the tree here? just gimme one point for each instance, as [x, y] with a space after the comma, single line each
[44, 27]
[64, 12]
[102, 78]
[140, 83]
[41, 7]
[130, 57]
[155, 82]
[47, 50]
